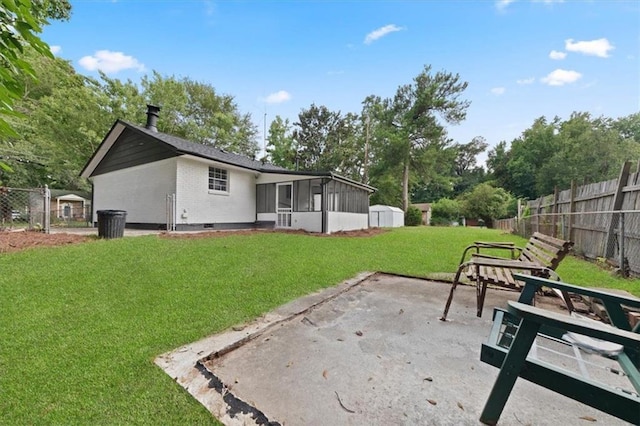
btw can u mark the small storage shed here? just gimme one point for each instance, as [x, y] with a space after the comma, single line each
[385, 216]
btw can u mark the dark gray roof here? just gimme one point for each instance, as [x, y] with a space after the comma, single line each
[184, 146]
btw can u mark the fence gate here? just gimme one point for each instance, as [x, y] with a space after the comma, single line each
[27, 209]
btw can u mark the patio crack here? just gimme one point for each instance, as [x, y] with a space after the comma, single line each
[235, 405]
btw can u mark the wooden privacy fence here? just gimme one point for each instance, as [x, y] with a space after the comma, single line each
[602, 219]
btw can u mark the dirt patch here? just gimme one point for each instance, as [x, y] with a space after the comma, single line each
[20, 240]
[220, 234]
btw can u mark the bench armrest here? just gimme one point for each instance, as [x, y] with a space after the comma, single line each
[491, 245]
[494, 244]
[567, 323]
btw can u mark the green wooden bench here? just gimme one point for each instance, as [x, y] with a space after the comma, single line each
[540, 257]
[516, 328]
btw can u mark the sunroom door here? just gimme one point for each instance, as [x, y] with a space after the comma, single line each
[284, 203]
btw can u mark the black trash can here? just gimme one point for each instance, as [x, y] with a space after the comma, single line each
[111, 223]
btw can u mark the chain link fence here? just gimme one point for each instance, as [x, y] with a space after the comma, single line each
[608, 236]
[71, 216]
[26, 209]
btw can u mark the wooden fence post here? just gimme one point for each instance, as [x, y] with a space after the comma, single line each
[538, 213]
[617, 205]
[554, 212]
[572, 208]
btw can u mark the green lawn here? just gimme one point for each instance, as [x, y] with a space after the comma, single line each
[80, 325]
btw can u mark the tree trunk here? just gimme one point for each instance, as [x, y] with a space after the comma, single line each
[405, 186]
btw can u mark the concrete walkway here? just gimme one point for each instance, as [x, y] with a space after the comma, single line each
[370, 351]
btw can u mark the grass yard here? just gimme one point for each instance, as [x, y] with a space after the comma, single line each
[80, 325]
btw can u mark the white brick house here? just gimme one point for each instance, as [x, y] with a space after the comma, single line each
[165, 182]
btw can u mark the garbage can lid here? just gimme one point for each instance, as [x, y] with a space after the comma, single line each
[112, 212]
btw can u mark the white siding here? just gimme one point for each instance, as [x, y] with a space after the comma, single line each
[268, 217]
[196, 204]
[342, 221]
[141, 191]
[309, 221]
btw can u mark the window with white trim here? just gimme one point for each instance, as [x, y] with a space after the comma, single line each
[218, 179]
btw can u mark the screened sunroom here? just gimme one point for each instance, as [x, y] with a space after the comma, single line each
[313, 202]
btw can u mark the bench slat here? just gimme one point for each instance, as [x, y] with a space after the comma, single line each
[556, 242]
[534, 254]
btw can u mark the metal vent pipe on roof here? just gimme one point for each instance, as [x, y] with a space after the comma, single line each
[152, 117]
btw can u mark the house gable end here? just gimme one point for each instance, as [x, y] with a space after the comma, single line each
[133, 149]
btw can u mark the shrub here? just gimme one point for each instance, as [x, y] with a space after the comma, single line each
[444, 211]
[485, 202]
[413, 216]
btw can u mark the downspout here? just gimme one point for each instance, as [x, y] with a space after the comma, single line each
[324, 206]
[92, 204]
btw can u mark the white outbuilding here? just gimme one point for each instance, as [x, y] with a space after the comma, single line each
[385, 216]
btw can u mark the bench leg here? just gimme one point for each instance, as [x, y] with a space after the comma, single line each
[481, 292]
[513, 363]
[453, 288]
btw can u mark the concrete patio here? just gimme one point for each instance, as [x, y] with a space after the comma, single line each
[369, 351]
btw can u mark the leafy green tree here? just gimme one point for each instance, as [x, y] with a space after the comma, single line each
[435, 178]
[194, 111]
[486, 202]
[20, 22]
[467, 172]
[529, 153]
[54, 137]
[629, 127]
[122, 99]
[497, 164]
[589, 150]
[281, 149]
[328, 141]
[313, 131]
[408, 123]
[445, 211]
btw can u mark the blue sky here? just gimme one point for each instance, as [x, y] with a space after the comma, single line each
[522, 58]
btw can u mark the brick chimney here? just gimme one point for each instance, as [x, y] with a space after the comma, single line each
[152, 117]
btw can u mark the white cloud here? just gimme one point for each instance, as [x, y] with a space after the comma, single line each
[381, 32]
[599, 47]
[561, 77]
[110, 62]
[55, 49]
[209, 8]
[554, 54]
[502, 4]
[529, 80]
[338, 72]
[277, 97]
[498, 91]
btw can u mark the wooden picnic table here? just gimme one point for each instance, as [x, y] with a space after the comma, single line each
[613, 303]
[515, 330]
